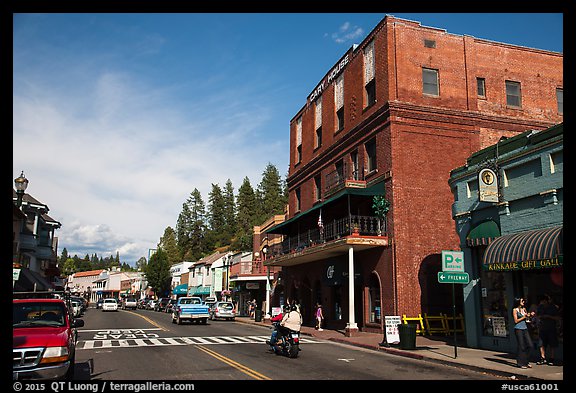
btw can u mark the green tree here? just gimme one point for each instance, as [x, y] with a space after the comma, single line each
[270, 194]
[69, 267]
[191, 227]
[158, 272]
[230, 226]
[246, 216]
[216, 235]
[169, 245]
[63, 257]
[141, 264]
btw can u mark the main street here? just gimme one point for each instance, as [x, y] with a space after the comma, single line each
[145, 345]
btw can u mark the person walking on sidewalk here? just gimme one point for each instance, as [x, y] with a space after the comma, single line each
[319, 317]
[547, 313]
[521, 316]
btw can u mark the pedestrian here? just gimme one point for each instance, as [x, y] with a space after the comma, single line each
[252, 308]
[547, 313]
[521, 316]
[319, 317]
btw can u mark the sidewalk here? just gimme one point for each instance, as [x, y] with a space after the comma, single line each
[438, 349]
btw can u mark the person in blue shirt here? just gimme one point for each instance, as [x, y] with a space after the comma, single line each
[521, 317]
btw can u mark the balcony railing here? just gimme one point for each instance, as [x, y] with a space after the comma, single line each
[363, 225]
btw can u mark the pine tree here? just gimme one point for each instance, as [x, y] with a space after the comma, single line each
[216, 237]
[246, 216]
[191, 228]
[229, 213]
[271, 196]
[168, 244]
[158, 272]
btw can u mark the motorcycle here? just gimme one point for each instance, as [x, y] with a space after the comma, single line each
[289, 344]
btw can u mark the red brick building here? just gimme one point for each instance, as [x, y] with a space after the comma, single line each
[392, 118]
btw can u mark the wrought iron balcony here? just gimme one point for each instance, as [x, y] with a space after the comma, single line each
[339, 228]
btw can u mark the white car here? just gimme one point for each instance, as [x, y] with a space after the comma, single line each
[110, 304]
[76, 308]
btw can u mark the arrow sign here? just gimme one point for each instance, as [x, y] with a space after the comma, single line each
[453, 261]
[453, 278]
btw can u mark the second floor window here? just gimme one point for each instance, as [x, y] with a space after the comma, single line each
[318, 140]
[481, 83]
[298, 201]
[513, 94]
[560, 100]
[317, 189]
[371, 155]
[339, 102]
[369, 74]
[430, 81]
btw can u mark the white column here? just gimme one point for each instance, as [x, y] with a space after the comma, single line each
[268, 310]
[351, 319]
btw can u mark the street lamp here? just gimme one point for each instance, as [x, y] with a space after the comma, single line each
[226, 263]
[21, 184]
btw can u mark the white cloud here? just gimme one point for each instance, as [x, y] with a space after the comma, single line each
[347, 33]
[115, 163]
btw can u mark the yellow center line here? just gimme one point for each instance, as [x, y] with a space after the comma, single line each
[149, 320]
[248, 371]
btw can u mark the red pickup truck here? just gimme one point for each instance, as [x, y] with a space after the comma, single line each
[44, 339]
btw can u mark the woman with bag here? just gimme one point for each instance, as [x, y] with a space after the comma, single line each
[521, 317]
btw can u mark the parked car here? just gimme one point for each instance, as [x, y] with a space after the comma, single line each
[44, 339]
[161, 304]
[223, 310]
[99, 303]
[76, 308]
[129, 302]
[110, 304]
[210, 303]
[169, 306]
[150, 304]
[83, 302]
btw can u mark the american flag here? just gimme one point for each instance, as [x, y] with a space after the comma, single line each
[320, 223]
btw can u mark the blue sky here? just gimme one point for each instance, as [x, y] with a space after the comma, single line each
[121, 116]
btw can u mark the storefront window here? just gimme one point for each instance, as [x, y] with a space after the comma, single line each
[495, 318]
[374, 302]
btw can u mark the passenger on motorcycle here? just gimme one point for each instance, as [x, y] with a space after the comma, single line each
[292, 320]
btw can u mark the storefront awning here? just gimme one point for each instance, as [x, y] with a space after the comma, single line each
[525, 250]
[181, 289]
[199, 290]
[483, 234]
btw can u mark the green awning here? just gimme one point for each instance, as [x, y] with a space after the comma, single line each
[537, 249]
[376, 189]
[483, 234]
[181, 289]
[199, 290]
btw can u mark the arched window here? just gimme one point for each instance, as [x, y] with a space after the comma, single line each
[374, 304]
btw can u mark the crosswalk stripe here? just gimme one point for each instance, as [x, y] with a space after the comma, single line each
[165, 341]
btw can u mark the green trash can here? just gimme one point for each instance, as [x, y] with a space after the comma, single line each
[407, 333]
[257, 315]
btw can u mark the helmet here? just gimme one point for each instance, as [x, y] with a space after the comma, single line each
[287, 308]
[293, 307]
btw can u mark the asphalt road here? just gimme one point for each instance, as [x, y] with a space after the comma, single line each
[145, 345]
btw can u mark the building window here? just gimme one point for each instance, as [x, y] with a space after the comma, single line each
[318, 123]
[374, 301]
[339, 102]
[513, 94]
[298, 140]
[481, 83]
[430, 81]
[495, 309]
[429, 43]
[371, 93]
[317, 188]
[298, 200]
[369, 82]
[355, 169]
[371, 155]
[560, 100]
[339, 172]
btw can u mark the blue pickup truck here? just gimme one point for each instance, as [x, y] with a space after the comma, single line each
[190, 309]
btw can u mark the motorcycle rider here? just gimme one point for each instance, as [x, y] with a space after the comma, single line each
[292, 320]
[274, 335]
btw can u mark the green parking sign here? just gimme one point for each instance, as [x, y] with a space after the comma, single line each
[452, 261]
[453, 278]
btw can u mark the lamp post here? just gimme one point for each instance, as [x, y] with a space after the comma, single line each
[21, 184]
[226, 264]
[267, 314]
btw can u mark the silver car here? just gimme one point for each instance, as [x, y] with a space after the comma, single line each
[223, 310]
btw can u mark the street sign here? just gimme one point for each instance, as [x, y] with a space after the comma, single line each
[453, 278]
[452, 261]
